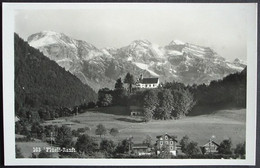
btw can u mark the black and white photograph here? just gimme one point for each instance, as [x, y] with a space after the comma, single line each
[129, 83]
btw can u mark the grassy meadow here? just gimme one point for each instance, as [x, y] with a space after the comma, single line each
[220, 123]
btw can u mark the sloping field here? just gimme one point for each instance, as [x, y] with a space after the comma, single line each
[222, 124]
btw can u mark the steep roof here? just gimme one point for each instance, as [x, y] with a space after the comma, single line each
[211, 142]
[149, 80]
[168, 137]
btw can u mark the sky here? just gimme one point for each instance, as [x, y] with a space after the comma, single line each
[223, 27]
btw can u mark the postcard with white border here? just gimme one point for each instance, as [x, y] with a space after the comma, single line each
[129, 83]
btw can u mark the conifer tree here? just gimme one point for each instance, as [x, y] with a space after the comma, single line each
[129, 79]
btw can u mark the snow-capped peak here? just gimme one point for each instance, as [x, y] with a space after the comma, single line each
[142, 42]
[44, 38]
[110, 48]
[176, 42]
[50, 33]
[58, 46]
[239, 61]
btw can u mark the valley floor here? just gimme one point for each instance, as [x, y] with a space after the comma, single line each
[221, 123]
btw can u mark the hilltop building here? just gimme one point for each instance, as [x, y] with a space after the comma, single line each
[147, 82]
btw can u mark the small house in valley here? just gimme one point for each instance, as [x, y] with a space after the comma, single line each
[147, 82]
[166, 141]
[135, 110]
[210, 147]
[141, 149]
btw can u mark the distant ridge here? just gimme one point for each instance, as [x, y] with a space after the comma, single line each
[178, 61]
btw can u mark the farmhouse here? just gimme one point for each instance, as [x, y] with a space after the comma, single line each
[210, 147]
[141, 149]
[166, 141]
[135, 110]
[147, 82]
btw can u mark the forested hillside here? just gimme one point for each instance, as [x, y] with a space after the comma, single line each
[42, 83]
[230, 92]
[174, 100]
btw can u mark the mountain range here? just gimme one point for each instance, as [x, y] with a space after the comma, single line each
[178, 61]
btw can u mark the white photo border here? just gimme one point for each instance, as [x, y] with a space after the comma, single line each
[8, 90]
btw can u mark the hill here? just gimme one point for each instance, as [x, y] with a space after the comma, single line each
[230, 92]
[41, 82]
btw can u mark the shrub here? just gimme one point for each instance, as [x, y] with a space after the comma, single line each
[86, 144]
[75, 133]
[18, 152]
[114, 131]
[101, 130]
[91, 105]
[225, 147]
[240, 149]
[193, 149]
[81, 130]
[108, 147]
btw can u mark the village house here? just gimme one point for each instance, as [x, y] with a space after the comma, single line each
[147, 83]
[141, 149]
[166, 141]
[210, 147]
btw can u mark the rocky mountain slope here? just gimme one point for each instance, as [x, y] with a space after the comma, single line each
[179, 61]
